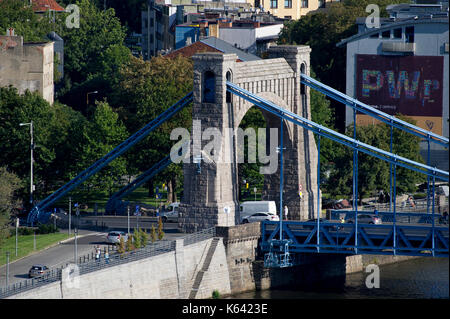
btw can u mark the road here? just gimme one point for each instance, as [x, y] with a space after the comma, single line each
[64, 252]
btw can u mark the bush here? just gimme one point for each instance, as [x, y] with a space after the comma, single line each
[215, 294]
[25, 231]
[47, 229]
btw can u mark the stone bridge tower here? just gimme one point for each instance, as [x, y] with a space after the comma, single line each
[211, 179]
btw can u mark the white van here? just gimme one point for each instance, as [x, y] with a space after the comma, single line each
[252, 207]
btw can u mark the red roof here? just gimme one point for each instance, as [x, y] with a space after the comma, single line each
[45, 5]
[190, 50]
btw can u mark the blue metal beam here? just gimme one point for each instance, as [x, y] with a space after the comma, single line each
[373, 112]
[105, 160]
[337, 137]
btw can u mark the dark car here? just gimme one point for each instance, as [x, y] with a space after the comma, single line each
[38, 271]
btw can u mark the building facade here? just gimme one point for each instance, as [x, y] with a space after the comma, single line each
[402, 68]
[27, 66]
[290, 9]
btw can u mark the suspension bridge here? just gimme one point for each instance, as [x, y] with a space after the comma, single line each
[282, 240]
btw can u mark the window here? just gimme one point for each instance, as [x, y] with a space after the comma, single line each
[288, 3]
[304, 3]
[288, 17]
[398, 33]
[209, 90]
[409, 34]
[273, 4]
[151, 38]
[152, 22]
[374, 36]
[386, 34]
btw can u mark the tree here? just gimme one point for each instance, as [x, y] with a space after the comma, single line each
[51, 126]
[93, 55]
[9, 184]
[373, 173]
[144, 90]
[14, 14]
[100, 136]
[153, 234]
[160, 229]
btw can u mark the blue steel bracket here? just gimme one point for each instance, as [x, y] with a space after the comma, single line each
[105, 160]
[373, 112]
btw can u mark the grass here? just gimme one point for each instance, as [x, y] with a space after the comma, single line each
[26, 245]
[139, 195]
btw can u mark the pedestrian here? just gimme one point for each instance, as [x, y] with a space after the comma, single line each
[286, 212]
[97, 254]
[106, 257]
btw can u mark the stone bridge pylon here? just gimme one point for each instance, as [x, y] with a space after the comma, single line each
[211, 173]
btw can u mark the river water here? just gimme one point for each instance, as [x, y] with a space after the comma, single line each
[422, 278]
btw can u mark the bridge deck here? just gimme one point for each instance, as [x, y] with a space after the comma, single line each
[334, 237]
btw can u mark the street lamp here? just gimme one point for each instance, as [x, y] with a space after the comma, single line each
[87, 96]
[31, 170]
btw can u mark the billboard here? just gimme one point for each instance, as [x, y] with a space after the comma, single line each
[410, 85]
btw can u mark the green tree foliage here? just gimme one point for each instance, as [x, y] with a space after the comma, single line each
[129, 245]
[373, 173]
[144, 237]
[14, 14]
[100, 136]
[52, 135]
[160, 229]
[121, 245]
[153, 234]
[93, 55]
[9, 184]
[145, 90]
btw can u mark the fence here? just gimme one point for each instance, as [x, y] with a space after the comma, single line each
[87, 263]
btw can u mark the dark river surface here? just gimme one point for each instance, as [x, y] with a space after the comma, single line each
[423, 278]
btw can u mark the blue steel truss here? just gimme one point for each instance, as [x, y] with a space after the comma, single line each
[345, 238]
[38, 210]
[115, 203]
[319, 237]
[337, 137]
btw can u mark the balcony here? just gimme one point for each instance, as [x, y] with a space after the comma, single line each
[399, 47]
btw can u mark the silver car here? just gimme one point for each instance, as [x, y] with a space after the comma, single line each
[38, 271]
[169, 216]
[114, 237]
[257, 217]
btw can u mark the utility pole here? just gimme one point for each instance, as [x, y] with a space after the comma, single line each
[128, 220]
[70, 212]
[7, 269]
[31, 164]
[17, 227]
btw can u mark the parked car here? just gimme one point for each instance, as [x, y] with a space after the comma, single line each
[169, 216]
[366, 219]
[114, 237]
[252, 207]
[257, 217]
[38, 271]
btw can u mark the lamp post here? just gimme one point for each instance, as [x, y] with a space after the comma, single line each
[87, 96]
[31, 170]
